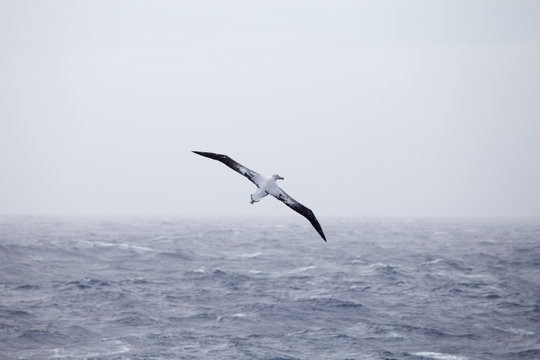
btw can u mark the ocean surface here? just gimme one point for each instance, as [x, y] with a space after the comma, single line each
[266, 288]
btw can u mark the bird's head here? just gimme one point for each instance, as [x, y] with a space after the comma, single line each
[277, 177]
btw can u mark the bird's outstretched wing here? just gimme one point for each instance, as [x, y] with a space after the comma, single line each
[253, 176]
[282, 196]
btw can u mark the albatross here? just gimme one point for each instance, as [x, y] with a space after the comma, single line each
[266, 186]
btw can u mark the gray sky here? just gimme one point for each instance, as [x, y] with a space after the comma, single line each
[367, 108]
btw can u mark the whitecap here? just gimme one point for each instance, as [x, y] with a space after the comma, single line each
[138, 248]
[123, 246]
[432, 262]
[395, 335]
[516, 331]
[438, 356]
[249, 256]
[440, 233]
[303, 269]
[109, 347]
[379, 266]
[520, 331]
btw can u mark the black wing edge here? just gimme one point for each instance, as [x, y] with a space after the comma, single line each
[308, 214]
[218, 157]
[241, 169]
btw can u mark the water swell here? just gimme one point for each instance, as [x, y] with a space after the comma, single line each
[171, 289]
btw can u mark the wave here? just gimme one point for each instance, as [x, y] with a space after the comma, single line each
[301, 270]
[532, 354]
[515, 331]
[7, 313]
[88, 283]
[177, 255]
[108, 347]
[104, 244]
[28, 287]
[438, 356]
[249, 256]
[433, 262]
[330, 302]
[43, 337]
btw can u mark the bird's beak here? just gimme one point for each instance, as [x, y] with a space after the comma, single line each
[281, 178]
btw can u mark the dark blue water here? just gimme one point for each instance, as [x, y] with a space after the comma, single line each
[269, 289]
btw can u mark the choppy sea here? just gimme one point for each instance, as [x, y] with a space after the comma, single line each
[231, 288]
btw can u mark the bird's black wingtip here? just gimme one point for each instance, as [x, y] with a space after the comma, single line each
[203, 153]
[319, 230]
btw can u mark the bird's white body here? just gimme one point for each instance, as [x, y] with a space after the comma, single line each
[267, 185]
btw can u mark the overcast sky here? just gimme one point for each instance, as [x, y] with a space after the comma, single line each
[367, 108]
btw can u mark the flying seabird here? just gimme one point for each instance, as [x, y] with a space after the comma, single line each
[266, 185]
